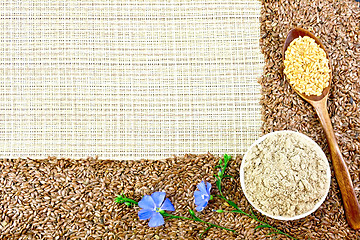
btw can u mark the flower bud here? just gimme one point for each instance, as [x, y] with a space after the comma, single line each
[220, 173]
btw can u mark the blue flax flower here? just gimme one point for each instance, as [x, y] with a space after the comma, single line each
[203, 196]
[152, 206]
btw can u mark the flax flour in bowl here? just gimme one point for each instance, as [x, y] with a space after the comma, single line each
[285, 175]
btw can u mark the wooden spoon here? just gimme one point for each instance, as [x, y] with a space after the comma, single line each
[351, 204]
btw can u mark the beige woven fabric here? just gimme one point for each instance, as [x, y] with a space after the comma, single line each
[128, 79]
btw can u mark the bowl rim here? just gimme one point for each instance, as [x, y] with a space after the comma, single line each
[322, 155]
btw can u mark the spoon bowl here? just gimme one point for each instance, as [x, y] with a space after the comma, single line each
[300, 32]
[351, 204]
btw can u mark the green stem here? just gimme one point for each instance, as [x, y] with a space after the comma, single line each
[196, 220]
[238, 210]
[130, 200]
[122, 199]
[274, 228]
[277, 230]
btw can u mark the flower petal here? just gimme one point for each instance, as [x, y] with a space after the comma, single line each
[208, 188]
[201, 207]
[206, 203]
[156, 220]
[202, 187]
[198, 197]
[147, 203]
[167, 205]
[158, 198]
[145, 214]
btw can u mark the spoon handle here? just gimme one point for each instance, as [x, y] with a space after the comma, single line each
[351, 204]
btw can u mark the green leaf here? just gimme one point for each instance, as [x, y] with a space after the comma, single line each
[227, 158]
[239, 211]
[253, 214]
[220, 161]
[229, 176]
[192, 213]
[262, 226]
[207, 229]
[123, 199]
[168, 215]
[219, 196]
[118, 199]
[218, 182]
[233, 204]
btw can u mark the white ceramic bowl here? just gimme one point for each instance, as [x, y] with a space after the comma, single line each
[317, 148]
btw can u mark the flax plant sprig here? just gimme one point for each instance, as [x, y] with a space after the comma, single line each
[223, 163]
[153, 207]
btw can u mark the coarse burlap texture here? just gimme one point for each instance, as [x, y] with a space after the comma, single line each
[128, 79]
